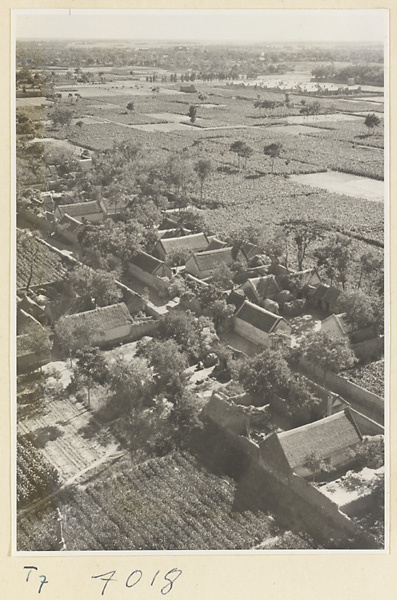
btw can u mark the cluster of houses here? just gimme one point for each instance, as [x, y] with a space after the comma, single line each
[264, 294]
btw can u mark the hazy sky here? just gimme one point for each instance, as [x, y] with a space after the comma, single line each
[227, 25]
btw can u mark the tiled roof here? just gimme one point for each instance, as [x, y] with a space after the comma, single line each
[258, 317]
[215, 244]
[80, 209]
[327, 293]
[325, 437]
[146, 262]
[104, 318]
[168, 223]
[249, 250]
[339, 320]
[70, 224]
[211, 259]
[69, 306]
[268, 285]
[48, 265]
[194, 242]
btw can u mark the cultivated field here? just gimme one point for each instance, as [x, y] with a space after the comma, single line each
[168, 503]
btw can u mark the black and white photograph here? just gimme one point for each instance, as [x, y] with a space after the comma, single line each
[200, 281]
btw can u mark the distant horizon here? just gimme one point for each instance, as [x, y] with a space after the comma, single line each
[202, 42]
[205, 25]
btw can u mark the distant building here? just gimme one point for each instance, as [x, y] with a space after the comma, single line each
[110, 324]
[149, 270]
[68, 229]
[329, 439]
[259, 288]
[325, 297]
[215, 244]
[203, 264]
[305, 277]
[91, 211]
[188, 243]
[260, 326]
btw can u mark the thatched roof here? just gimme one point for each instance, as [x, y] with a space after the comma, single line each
[258, 317]
[325, 438]
[210, 260]
[104, 318]
[194, 242]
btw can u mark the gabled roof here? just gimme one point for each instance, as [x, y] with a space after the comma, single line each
[104, 318]
[339, 322]
[170, 233]
[249, 250]
[326, 293]
[70, 224]
[303, 276]
[267, 284]
[68, 306]
[146, 262]
[258, 317]
[168, 223]
[49, 266]
[236, 297]
[194, 242]
[325, 437]
[215, 244]
[80, 209]
[211, 259]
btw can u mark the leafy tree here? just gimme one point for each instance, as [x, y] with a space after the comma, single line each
[192, 114]
[185, 420]
[328, 352]
[371, 453]
[169, 364]
[247, 152]
[203, 168]
[222, 276]
[98, 284]
[72, 336]
[265, 375]
[370, 266]
[371, 121]
[40, 342]
[177, 258]
[179, 174]
[131, 381]
[304, 233]
[336, 257]
[61, 117]
[90, 368]
[238, 148]
[187, 330]
[360, 309]
[131, 106]
[315, 463]
[302, 403]
[273, 151]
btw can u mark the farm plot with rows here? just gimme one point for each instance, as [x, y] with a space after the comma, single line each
[168, 503]
[268, 201]
[65, 434]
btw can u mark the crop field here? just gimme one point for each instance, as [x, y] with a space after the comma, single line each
[370, 377]
[64, 433]
[239, 196]
[168, 503]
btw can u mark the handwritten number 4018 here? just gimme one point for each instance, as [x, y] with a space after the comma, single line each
[135, 576]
